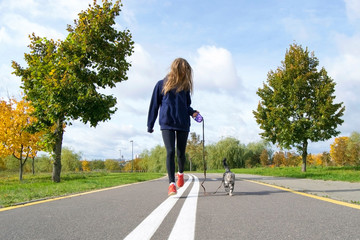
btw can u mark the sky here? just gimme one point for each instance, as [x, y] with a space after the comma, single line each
[231, 46]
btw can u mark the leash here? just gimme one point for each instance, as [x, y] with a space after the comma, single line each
[204, 162]
[203, 146]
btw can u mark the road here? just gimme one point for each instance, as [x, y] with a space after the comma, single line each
[143, 211]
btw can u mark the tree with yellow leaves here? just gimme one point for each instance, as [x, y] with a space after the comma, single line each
[15, 139]
[85, 165]
[338, 151]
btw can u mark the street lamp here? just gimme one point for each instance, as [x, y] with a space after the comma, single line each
[132, 156]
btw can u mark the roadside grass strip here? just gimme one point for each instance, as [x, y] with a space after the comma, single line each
[309, 195]
[26, 204]
[147, 228]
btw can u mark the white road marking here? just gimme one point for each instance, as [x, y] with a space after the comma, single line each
[185, 224]
[147, 228]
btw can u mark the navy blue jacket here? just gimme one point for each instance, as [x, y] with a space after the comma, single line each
[175, 110]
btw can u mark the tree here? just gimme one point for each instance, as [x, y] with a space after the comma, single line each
[97, 165]
[338, 151]
[326, 159]
[134, 165]
[85, 165]
[155, 159]
[229, 148]
[297, 103]
[70, 160]
[194, 149]
[253, 153]
[112, 165]
[353, 149]
[291, 159]
[318, 159]
[15, 138]
[43, 163]
[279, 159]
[63, 77]
[2, 164]
[264, 158]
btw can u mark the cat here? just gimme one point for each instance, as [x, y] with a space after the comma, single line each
[228, 179]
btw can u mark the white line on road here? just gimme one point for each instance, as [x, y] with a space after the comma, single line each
[147, 228]
[185, 224]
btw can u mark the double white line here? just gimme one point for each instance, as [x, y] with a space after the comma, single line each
[184, 227]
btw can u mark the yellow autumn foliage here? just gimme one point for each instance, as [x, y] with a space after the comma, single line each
[15, 118]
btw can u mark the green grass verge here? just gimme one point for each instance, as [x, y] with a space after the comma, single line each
[346, 174]
[13, 192]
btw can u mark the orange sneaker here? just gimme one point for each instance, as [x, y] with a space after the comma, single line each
[172, 189]
[180, 181]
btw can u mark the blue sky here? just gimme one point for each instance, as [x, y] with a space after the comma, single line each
[231, 45]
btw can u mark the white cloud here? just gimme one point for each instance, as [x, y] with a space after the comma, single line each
[19, 28]
[128, 16]
[344, 69]
[142, 76]
[104, 141]
[352, 9]
[214, 69]
[10, 84]
[348, 44]
[65, 9]
[61, 9]
[4, 36]
[29, 6]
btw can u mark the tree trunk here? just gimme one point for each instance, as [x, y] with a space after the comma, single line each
[59, 132]
[20, 163]
[21, 170]
[33, 165]
[304, 155]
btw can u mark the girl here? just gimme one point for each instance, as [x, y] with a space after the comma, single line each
[172, 96]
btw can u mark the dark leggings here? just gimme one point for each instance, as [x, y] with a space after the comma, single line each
[169, 141]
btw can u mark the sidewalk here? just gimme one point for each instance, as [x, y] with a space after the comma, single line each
[337, 190]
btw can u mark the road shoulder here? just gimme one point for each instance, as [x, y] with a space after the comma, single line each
[337, 190]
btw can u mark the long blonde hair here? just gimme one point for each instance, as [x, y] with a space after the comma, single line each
[179, 77]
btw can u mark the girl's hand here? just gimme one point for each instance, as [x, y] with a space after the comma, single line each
[195, 114]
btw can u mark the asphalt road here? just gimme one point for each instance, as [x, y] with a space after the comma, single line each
[143, 211]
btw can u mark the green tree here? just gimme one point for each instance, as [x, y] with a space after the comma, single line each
[63, 77]
[112, 165]
[229, 148]
[155, 159]
[253, 153]
[97, 165]
[194, 150]
[70, 160]
[297, 103]
[353, 148]
[43, 163]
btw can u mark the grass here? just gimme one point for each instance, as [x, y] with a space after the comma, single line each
[40, 186]
[345, 174]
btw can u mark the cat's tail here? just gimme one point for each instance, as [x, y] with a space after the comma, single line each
[227, 169]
